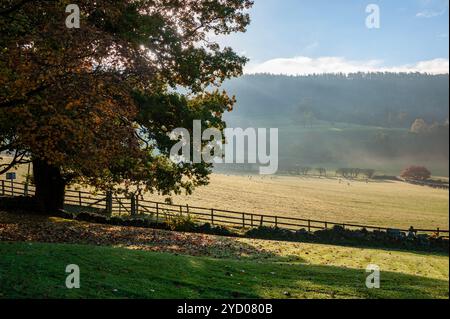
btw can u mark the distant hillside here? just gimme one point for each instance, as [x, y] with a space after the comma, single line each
[378, 99]
[360, 120]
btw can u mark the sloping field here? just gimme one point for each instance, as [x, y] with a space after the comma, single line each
[378, 203]
[384, 203]
[108, 272]
[128, 262]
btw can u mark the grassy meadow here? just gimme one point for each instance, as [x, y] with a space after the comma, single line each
[315, 272]
[378, 203]
[121, 262]
[124, 262]
[381, 203]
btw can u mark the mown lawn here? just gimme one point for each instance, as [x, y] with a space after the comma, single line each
[37, 270]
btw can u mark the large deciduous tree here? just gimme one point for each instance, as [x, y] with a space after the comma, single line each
[95, 104]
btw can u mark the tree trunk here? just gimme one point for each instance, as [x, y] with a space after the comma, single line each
[50, 186]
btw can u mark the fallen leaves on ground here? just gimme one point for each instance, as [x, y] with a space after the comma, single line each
[35, 228]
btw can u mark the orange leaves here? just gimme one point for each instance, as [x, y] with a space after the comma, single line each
[74, 92]
[73, 104]
[15, 227]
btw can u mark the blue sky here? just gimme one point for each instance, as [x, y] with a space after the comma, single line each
[306, 34]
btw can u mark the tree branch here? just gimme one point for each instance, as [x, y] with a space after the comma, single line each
[17, 159]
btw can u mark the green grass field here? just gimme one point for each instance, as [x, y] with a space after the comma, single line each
[128, 262]
[30, 270]
[125, 262]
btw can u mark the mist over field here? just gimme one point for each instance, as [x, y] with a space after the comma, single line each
[383, 121]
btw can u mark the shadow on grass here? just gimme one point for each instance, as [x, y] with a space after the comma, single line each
[44, 229]
[38, 228]
[38, 271]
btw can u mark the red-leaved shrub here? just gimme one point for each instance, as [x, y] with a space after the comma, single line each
[416, 172]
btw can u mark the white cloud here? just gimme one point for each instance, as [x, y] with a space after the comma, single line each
[432, 8]
[304, 65]
[430, 13]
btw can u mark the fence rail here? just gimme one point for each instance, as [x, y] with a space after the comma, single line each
[161, 211]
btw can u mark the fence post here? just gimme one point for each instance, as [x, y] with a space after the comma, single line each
[243, 220]
[251, 217]
[25, 189]
[133, 205]
[309, 225]
[276, 221]
[262, 221]
[157, 213]
[79, 198]
[3, 187]
[437, 232]
[12, 188]
[109, 203]
[181, 210]
[187, 209]
[137, 205]
[212, 216]
[326, 225]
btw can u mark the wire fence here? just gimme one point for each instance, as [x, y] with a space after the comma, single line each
[111, 204]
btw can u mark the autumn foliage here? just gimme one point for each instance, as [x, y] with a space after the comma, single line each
[94, 105]
[416, 173]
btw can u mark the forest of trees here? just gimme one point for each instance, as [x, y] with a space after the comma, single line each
[378, 99]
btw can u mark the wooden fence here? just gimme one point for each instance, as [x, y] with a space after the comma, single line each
[160, 211]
